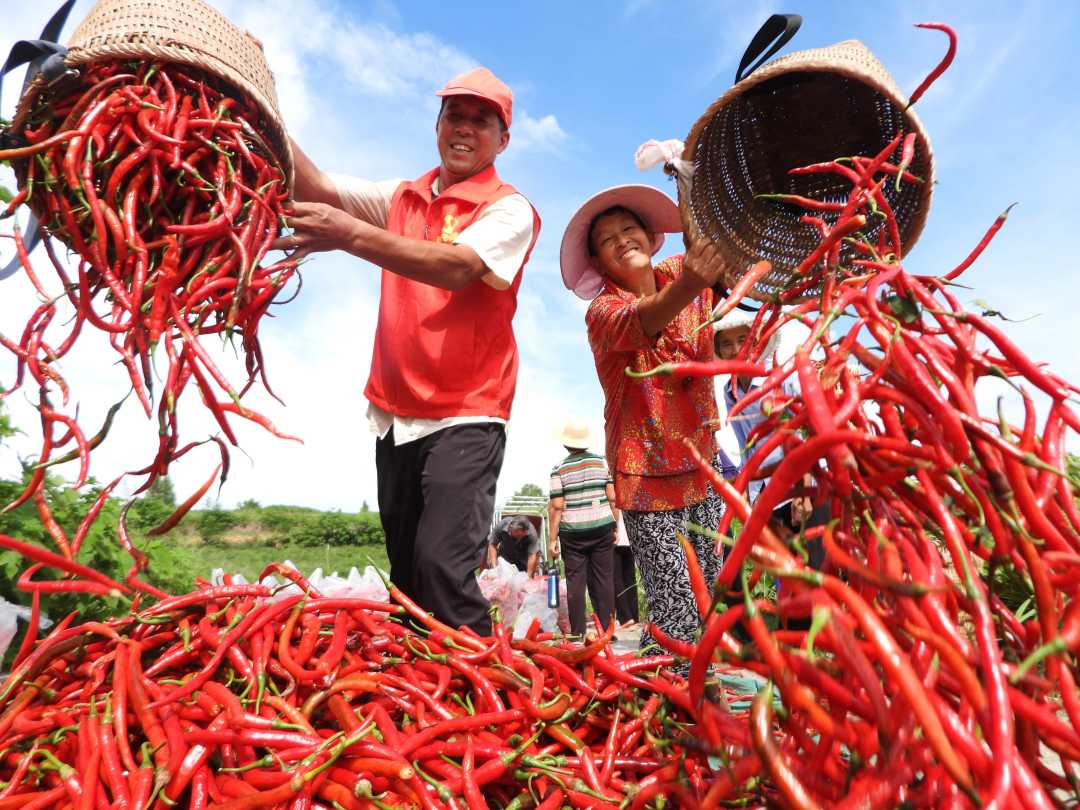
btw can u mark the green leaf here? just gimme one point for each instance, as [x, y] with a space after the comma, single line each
[5, 195]
[904, 307]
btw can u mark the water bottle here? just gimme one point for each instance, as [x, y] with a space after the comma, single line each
[553, 584]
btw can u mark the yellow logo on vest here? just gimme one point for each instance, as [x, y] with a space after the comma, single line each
[449, 229]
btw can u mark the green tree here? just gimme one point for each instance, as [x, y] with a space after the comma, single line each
[532, 490]
[162, 490]
[153, 507]
[5, 424]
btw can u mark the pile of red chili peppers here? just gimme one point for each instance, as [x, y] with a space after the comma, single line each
[914, 685]
[227, 697]
[168, 195]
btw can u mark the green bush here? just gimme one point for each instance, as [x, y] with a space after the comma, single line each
[212, 524]
[335, 529]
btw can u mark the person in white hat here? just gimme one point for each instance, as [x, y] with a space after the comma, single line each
[643, 315]
[581, 523]
[730, 333]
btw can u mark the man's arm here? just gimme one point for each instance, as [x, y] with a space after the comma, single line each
[321, 227]
[492, 555]
[555, 510]
[530, 565]
[312, 184]
[609, 490]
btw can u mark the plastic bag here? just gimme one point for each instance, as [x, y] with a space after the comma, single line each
[534, 605]
[368, 585]
[503, 586]
[9, 620]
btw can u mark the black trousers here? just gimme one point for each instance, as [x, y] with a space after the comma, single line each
[588, 557]
[436, 499]
[624, 575]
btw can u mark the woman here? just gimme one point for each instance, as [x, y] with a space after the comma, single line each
[643, 315]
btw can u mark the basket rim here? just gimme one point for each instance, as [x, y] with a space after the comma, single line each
[825, 60]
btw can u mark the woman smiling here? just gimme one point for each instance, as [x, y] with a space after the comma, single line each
[643, 315]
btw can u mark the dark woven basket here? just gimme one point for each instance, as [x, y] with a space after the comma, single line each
[807, 107]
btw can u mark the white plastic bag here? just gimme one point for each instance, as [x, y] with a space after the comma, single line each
[368, 585]
[503, 586]
[534, 605]
[9, 620]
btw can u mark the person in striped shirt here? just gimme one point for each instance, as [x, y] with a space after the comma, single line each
[581, 520]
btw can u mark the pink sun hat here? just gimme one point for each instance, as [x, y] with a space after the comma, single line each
[656, 209]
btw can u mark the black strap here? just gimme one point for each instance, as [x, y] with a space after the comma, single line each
[45, 56]
[779, 27]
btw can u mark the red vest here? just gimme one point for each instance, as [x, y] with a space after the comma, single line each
[440, 353]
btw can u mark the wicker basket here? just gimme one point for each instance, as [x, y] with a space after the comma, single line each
[187, 32]
[807, 107]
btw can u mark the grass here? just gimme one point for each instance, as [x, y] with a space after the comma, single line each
[250, 559]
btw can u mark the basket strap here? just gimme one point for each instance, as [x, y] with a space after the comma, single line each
[720, 292]
[45, 56]
[779, 27]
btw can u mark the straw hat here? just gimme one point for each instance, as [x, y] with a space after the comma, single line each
[573, 434]
[806, 107]
[738, 318]
[656, 209]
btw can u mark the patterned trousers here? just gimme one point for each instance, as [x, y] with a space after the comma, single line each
[662, 563]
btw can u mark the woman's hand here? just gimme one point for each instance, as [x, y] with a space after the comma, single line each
[703, 264]
[317, 227]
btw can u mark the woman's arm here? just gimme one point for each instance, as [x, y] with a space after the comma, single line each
[702, 268]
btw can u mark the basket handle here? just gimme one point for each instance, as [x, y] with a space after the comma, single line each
[45, 56]
[779, 27]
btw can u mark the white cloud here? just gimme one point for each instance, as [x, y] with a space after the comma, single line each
[541, 134]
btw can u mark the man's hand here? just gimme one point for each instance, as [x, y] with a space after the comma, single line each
[553, 549]
[317, 227]
[703, 264]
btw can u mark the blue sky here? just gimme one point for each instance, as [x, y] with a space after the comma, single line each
[592, 81]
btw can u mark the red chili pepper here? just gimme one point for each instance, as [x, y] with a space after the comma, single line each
[942, 66]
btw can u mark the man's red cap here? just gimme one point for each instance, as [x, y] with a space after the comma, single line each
[482, 83]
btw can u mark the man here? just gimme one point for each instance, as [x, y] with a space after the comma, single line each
[581, 519]
[451, 245]
[515, 540]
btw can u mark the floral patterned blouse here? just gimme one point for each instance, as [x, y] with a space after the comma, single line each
[646, 419]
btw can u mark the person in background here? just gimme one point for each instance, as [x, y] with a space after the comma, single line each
[452, 245]
[796, 513]
[641, 316]
[516, 541]
[625, 579]
[729, 335]
[581, 521]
